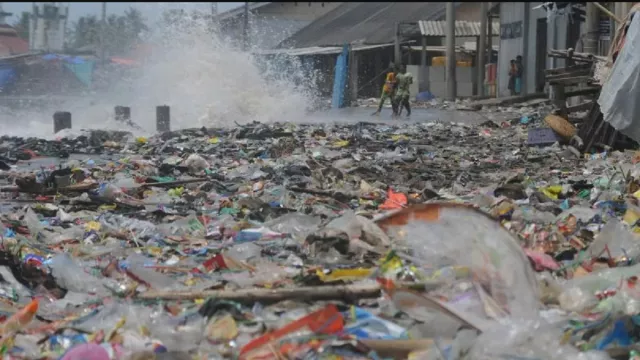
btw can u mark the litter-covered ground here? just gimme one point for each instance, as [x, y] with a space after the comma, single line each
[286, 241]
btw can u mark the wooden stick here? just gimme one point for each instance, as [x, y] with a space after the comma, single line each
[50, 191]
[340, 292]
[173, 183]
[343, 292]
[609, 13]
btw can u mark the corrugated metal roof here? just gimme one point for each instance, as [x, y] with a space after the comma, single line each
[463, 28]
[319, 50]
[239, 10]
[364, 23]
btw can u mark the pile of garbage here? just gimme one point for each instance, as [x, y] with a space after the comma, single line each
[289, 241]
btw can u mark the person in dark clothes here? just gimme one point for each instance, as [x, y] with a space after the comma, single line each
[519, 72]
[512, 77]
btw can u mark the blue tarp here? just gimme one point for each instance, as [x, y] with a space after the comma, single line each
[81, 68]
[7, 75]
[84, 71]
[66, 58]
[340, 79]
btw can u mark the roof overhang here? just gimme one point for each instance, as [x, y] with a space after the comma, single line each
[319, 50]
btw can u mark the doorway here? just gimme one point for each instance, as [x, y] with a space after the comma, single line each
[541, 53]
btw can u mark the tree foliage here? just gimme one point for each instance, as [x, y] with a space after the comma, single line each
[122, 32]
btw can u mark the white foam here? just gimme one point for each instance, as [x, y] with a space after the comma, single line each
[205, 81]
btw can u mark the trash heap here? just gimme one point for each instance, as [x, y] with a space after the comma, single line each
[284, 241]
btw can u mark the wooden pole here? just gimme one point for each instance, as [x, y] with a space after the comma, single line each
[451, 53]
[123, 114]
[61, 120]
[163, 118]
[609, 13]
[482, 47]
[344, 292]
[423, 53]
[397, 53]
[591, 27]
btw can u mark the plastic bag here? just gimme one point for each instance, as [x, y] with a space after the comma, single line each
[136, 265]
[296, 224]
[616, 240]
[71, 276]
[359, 227]
[445, 234]
[530, 340]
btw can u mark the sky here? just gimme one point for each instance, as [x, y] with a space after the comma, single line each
[150, 10]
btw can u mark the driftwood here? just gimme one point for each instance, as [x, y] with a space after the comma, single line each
[51, 191]
[174, 183]
[346, 292]
[311, 293]
[582, 92]
[575, 56]
[570, 80]
[568, 69]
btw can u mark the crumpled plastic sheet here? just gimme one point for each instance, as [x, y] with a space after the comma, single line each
[448, 235]
[527, 340]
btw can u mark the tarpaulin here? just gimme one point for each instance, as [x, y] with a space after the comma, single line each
[84, 71]
[7, 75]
[624, 84]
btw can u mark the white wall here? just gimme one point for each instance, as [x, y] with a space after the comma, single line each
[509, 48]
[530, 62]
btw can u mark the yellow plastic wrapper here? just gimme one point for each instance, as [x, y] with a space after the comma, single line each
[344, 274]
[141, 140]
[552, 192]
[92, 226]
[391, 263]
[214, 140]
[177, 192]
[341, 143]
[399, 138]
[107, 207]
[631, 216]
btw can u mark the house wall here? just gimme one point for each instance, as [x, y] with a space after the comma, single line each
[525, 45]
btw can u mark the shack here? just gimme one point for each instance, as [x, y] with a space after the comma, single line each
[371, 30]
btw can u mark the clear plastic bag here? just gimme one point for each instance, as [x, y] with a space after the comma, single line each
[136, 265]
[444, 234]
[530, 340]
[296, 224]
[69, 275]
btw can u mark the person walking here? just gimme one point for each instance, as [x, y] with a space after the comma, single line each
[404, 80]
[388, 90]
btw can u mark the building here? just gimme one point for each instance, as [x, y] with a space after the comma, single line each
[370, 29]
[270, 22]
[47, 26]
[528, 30]
[11, 43]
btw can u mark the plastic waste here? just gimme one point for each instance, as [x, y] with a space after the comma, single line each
[71, 276]
[135, 264]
